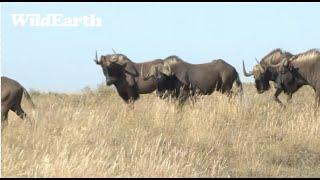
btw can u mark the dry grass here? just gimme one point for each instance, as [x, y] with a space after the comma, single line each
[94, 134]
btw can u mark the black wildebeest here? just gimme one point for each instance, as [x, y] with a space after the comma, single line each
[301, 69]
[269, 69]
[263, 72]
[127, 76]
[198, 78]
[11, 96]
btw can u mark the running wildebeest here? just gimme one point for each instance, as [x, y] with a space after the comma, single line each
[301, 69]
[11, 96]
[127, 76]
[198, 78]
[266, 71]
[263, 72]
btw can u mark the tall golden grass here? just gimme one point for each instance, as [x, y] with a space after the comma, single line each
[95, 134]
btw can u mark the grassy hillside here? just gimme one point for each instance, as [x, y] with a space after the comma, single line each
[95, 134]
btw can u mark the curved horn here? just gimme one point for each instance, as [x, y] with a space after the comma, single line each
[245, 72]
[96, 59]
[283, 62]
[275, 65]
[257, 60]
[114, 51]
[114, 60]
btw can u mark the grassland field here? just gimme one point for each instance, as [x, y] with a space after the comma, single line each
[93, 133]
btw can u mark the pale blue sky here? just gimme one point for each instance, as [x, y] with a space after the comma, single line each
[60, 58]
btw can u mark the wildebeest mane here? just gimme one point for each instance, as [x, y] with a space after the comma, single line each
[268, 59]
[306, 56]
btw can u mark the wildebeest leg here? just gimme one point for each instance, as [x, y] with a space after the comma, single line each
[19, 111]
[132, 97]
[183, 96]
[318, 99]
[226, 89]
[132, 94]
[289, 97]
[4, 116]
[317, 105]
[4, 112]
[131, 103]
[230, 95]
[124, 96]
[195, 95]
[277, 93]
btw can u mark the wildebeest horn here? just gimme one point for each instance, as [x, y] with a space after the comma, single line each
[282, 62]
[275, 65]
[114, 60]
[257, 60]
[96, 58]
[114, 51]
[245, 72]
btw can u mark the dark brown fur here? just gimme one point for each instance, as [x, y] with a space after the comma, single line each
[302, 69]
[11, 96]
[263, 73]
[202, 78]
[128, 76]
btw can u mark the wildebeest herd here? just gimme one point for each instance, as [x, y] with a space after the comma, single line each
[178, 79]
[169, 77]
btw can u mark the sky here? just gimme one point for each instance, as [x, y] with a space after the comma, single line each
[60, 59]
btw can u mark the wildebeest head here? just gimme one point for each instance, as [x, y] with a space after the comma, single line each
[261, 76]
[115, 66]
[158, 72]
[262, 72]
[169, 68]
[167, 84]
[285, 78]
[283, 67]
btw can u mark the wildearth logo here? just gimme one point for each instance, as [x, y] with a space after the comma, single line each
[55, 20]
